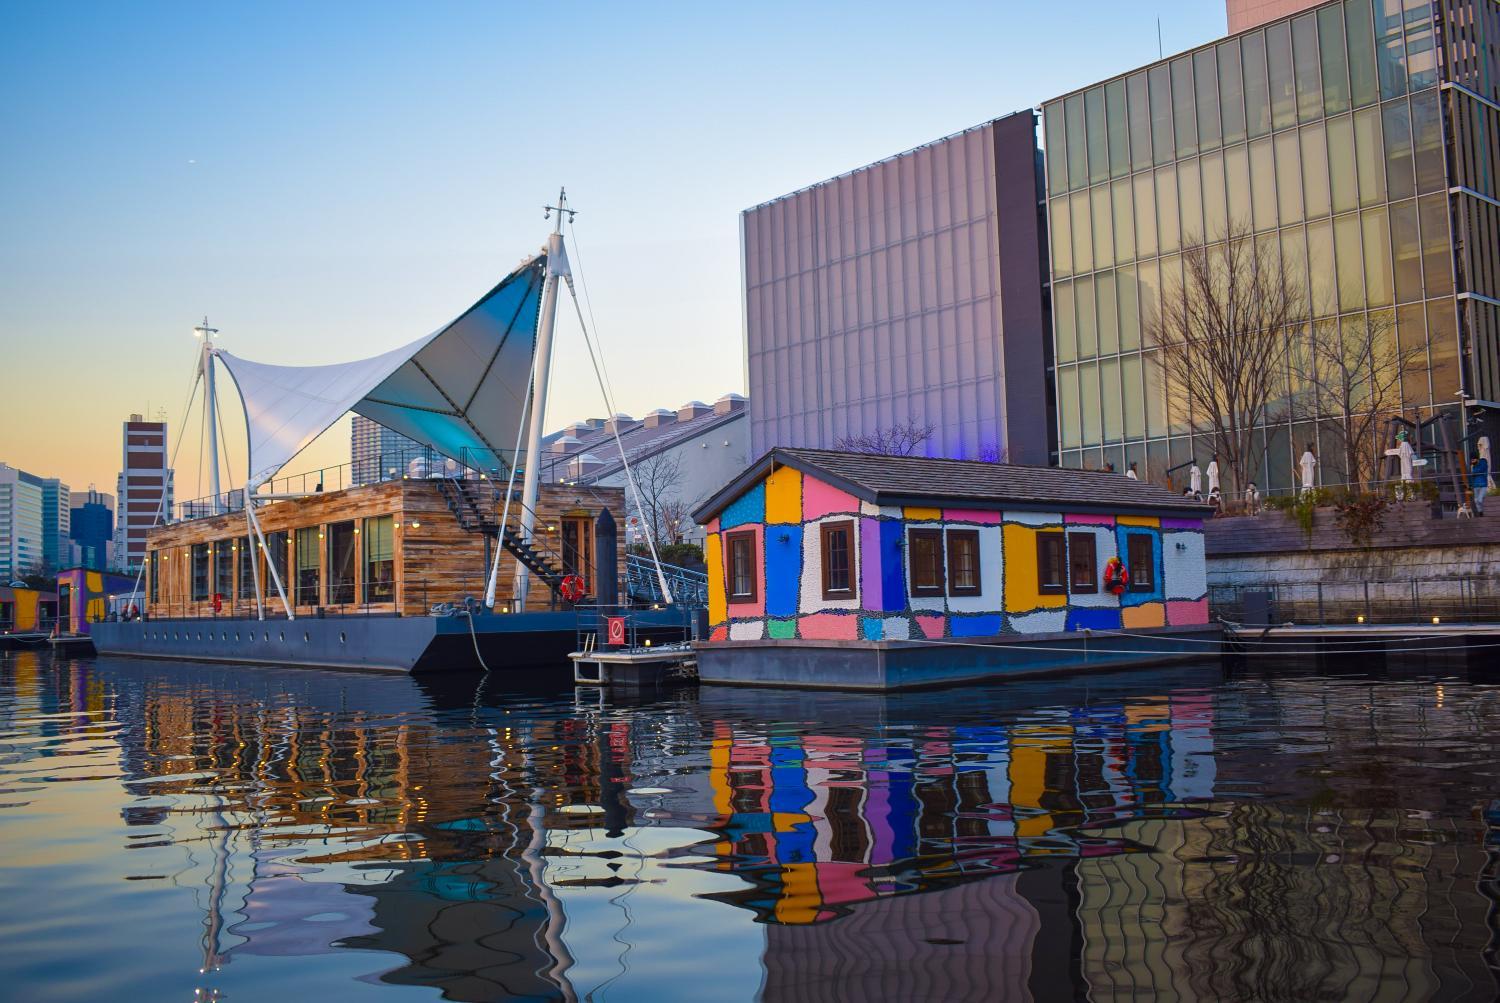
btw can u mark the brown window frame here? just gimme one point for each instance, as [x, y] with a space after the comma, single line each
[1044, 540]
[730, 596]
[825, 531]
[1138, 582]
[1078, 543]
[936, 536]
[972, 537]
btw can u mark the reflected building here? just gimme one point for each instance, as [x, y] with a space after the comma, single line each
[1358, 140]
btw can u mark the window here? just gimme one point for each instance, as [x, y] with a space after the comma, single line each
[380, 560]
[838, 559]
[1051, 564]
[963, 562]
[1141, 561]
[740, 567]
[200, 572]
[925, 549]
[224, 568]
[277, 545]
[307, 566]
[246, 554]
[341, 540]
[1082, 563]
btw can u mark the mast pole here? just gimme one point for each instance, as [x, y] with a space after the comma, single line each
[557, 268]
[211, 407]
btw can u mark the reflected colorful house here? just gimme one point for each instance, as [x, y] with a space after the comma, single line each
[820, 822]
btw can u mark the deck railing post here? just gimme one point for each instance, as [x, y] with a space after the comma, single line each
[1367, 600]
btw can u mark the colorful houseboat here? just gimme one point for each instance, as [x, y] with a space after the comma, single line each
[27, 615]
[856, 571]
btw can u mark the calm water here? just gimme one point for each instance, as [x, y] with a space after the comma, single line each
[169, 830]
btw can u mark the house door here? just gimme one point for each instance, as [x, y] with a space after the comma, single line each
[64, 608]
[578, 548]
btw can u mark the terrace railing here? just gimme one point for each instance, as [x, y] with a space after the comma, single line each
[1469, 599]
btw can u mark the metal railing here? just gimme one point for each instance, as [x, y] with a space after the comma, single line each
[689, 587]
[1466, 599]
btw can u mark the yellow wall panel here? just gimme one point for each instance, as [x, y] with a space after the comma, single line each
[917, 514]
[1020, 572]
[784, 496]
[1137, 520]
[1151, 614]
[713, 558]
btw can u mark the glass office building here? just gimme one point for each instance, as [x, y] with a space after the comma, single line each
[1359, 141]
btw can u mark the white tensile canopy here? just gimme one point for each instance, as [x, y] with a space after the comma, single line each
[459, 390]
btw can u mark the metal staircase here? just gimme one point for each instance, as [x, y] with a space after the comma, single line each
[476, 514]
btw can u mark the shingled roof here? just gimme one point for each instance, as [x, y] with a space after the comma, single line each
[920, 480]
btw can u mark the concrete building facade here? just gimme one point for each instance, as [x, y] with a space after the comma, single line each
[1358, 141]
[909, 291]
[143, 490]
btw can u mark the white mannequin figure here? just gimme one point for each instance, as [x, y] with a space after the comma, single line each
[1309, 464]
[1195, 479]
[1252, 498]
[1213, 474]
[1131, 473]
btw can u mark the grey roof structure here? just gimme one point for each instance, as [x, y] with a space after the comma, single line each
[920, 480]
[641, 438]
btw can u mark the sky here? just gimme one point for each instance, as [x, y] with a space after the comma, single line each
[329, 181]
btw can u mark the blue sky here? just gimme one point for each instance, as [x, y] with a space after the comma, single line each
[330, 180]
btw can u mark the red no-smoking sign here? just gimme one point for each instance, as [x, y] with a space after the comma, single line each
[614, 630]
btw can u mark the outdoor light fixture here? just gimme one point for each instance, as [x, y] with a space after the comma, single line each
[1360, 618]
[415, 524]
[1437, 619]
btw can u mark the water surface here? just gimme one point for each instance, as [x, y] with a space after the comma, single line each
[181, 831]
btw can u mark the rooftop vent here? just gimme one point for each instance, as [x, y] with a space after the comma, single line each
[661, 416]
[563, 444]
[691, 410]
[729, 403]
[618, 423]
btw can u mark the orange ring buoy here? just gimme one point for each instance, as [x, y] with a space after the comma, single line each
[571, 588]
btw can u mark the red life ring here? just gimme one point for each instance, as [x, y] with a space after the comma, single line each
[571, 588]
[1116, 576]
[218, 601]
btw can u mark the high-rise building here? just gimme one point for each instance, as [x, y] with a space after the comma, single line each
[34, 522]
[376, 453]
[92, 531]
[905, 293]
[57, 517]
[1359, 141]
[22, 532]
[144, 489]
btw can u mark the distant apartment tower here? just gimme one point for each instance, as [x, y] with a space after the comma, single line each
[92, 531]
[376, 453]
[907, 291]
[21, 531]
[34, 520]
[144, 489]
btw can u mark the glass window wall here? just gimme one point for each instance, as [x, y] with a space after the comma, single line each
[1305, 57]
[1161, 114]
[1206, 88]
[1335, 79]
[1231, 92]
[1093, 107]
[1283, 83]
[1077, 145]
[1118, 123]
[1315, 195]
[1140, 121]
[1124, 215]
[1257, 86]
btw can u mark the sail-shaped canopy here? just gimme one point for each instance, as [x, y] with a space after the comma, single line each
[459, 390]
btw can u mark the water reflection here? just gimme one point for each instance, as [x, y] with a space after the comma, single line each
[1178, 835]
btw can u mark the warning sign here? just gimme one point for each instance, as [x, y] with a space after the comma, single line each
[614, 631]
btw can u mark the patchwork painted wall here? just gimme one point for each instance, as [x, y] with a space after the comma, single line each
[786, 510]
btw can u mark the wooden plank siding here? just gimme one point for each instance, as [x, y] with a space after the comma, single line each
[436, 559]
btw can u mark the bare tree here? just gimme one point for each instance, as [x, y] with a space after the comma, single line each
[1222, 331]
[658, 477]
[676, 517]
[1351, 372]
[900, 439]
